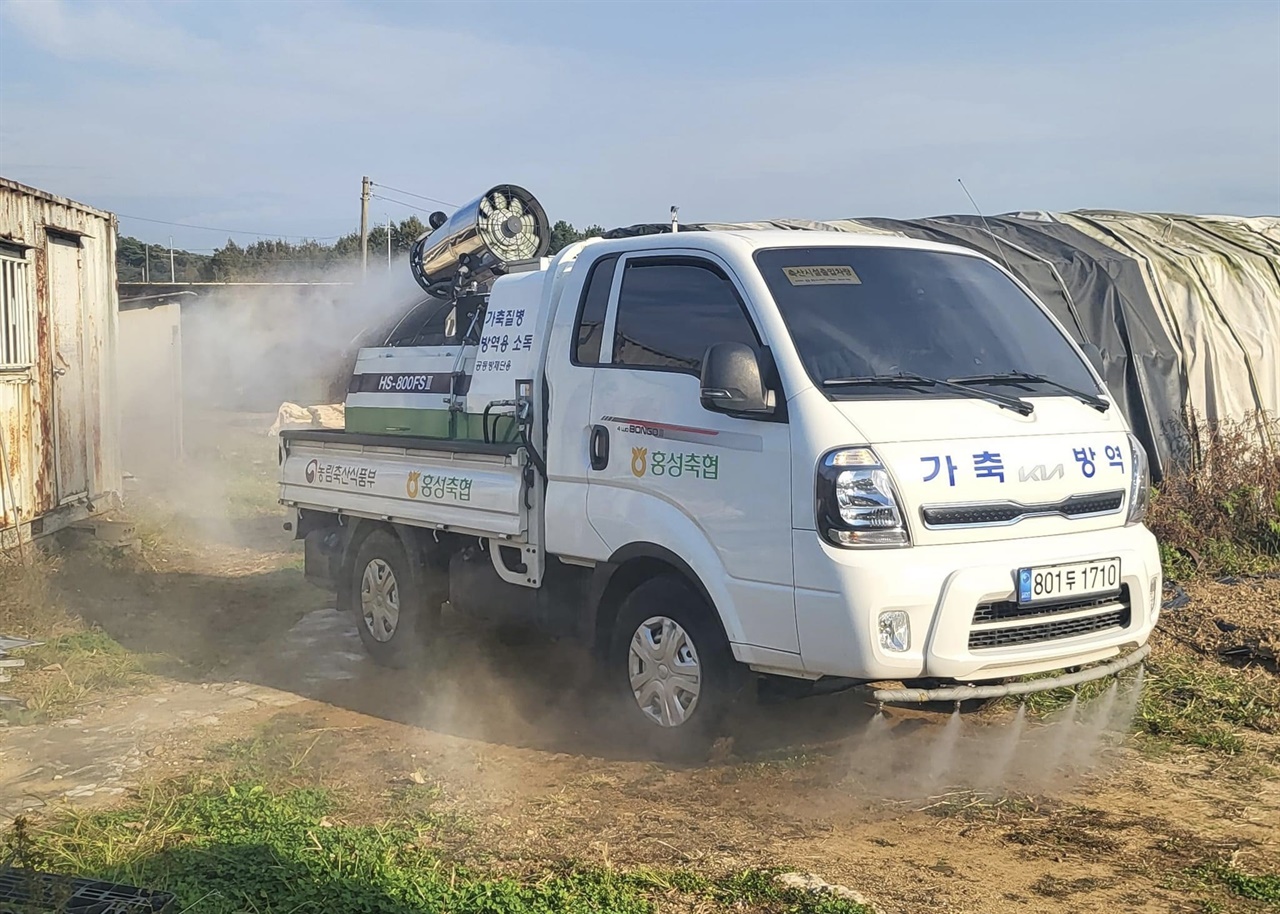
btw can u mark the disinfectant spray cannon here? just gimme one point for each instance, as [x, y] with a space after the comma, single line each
[442, 373]
[505, 225]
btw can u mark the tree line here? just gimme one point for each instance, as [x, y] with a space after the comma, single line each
[282, 260]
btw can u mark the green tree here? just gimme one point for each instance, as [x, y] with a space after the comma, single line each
[564, 234]
[278, 259]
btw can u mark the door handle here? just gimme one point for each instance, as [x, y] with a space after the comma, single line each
[59, 372]
[599, 447]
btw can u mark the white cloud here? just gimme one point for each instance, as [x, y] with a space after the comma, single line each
[279, 123]
[132, 35]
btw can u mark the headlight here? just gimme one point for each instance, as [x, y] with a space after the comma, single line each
[857, 504]
[1139, 482]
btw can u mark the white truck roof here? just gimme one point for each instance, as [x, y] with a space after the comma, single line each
[723, 241]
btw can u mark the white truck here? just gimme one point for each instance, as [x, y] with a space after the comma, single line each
[832, 458]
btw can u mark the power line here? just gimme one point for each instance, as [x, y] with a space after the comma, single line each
[401, 202]
[409, 193]
[210, 228]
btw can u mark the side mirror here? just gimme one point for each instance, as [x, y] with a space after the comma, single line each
[1094, 355]
[732, 382]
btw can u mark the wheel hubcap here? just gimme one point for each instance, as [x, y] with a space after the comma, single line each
[380, 600]
[666, 677]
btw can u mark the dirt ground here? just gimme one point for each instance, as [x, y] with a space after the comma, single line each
[985, 814]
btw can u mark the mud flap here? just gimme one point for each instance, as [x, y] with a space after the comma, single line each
[322, 557]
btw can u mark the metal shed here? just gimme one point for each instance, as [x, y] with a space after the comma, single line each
[59, 419]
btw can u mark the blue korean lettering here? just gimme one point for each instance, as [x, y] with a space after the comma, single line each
[988, 464]
[1115, 457]
[937, 468]
[1085, 457]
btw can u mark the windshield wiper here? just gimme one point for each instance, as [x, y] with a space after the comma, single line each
[1014, 377]
[905, 379]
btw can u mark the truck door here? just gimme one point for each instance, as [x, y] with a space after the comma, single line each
[712, 488]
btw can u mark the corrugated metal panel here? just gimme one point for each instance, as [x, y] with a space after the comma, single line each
[58, 393]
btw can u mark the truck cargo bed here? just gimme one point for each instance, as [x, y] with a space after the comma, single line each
[466, 486]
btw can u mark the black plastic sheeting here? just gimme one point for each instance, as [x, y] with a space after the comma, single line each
[1097, 293]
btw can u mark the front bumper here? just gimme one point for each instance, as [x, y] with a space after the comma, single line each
[840, 594]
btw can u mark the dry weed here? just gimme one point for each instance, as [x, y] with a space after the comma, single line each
[1218, 512]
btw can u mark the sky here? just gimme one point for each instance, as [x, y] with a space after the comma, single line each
[262, 117]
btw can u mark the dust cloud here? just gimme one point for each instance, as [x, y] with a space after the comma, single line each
[1012, 753]
[201, 381]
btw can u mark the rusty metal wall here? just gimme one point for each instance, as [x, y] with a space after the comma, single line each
[31, 223]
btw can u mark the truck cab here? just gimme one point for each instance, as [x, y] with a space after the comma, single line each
[825, 457]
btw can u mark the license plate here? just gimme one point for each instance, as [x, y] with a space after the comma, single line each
[1064, 582]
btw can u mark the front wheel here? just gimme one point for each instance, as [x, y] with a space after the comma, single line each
[391, 605]
[671, 668]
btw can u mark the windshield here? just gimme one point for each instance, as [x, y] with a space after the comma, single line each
[858, 312]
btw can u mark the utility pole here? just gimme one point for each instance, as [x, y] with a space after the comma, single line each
[146, 267]
[388, 244]
[173, 275]
[364, 225]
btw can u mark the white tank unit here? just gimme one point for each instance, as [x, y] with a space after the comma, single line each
[450, 370]
[511, 338]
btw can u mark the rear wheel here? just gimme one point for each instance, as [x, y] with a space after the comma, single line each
[671, 668]
[391, 605]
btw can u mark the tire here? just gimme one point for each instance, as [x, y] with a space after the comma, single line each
[661, 627]
[392, 607]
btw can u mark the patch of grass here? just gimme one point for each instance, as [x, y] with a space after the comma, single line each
[1207, 705]
[74, 663]
[28, 605]
[274, 760]
[1265, 887]
[1050, 886]
[243, 848]
[68, 670]
[776, 763]
[971, 806]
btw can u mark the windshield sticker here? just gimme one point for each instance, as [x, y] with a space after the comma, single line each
[822, 276]
[673, 465]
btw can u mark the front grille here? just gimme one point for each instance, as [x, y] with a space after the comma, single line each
[994, 513]
[1008, 609]
[982, 636]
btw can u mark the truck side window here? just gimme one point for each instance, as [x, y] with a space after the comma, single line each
[670, 311]
[595, 301]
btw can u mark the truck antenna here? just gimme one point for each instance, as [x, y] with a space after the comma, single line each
[986, 225]
[675, 219]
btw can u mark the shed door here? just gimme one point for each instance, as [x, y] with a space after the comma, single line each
[66, 306]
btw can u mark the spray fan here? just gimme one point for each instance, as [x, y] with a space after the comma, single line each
[504, 225]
